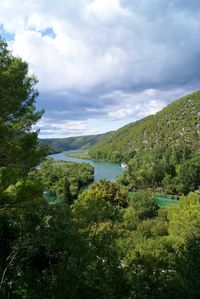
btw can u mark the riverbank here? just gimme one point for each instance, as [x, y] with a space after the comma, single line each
[105, 170]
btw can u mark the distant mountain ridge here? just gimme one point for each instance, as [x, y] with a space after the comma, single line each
[178, 123]
[73, 143]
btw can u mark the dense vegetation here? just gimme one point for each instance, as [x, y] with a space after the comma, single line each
[173, 170]
[103, 245]
[178, 123]
[65, 179]
[72, 143]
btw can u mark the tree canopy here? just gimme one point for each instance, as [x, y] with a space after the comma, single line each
[19, 149]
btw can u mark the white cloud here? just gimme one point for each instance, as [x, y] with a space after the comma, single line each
[106, 10]
[66, 60]
[84, 52]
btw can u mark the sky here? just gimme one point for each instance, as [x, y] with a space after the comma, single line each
[104, 63]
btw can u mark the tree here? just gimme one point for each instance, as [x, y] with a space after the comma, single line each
[97, 218]
[184, 217]
[188, 178]
[184, 230]
[188, 269]
[143, 204]
[67, 193]
[19, 150]
[111, 192]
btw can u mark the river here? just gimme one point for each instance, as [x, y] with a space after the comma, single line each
[106, 170]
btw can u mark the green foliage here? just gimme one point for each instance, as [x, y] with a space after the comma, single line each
[172, 170]
[158, 265]
[19, 149]
[96, 216]
[38, 240]
[152, 228]
[150, 267]
[111, 192]
[144, 205]
[187, 267]
[188, 178]
[184, 218]
[65, 179]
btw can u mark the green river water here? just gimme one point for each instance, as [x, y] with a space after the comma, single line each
[108, 171]
[104, 170]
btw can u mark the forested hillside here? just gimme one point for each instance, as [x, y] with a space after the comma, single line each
[73, 143]
[178, 123]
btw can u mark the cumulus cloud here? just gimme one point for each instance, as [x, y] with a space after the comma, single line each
[105, 59]
[105, 10]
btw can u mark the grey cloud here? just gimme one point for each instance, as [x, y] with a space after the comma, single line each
[108, 104]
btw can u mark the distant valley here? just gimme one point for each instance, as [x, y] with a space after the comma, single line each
[73, 143]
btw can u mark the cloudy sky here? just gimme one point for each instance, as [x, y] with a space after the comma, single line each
[104, 63]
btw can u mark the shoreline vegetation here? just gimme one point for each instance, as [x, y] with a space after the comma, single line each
[84, 154]
[162, 200]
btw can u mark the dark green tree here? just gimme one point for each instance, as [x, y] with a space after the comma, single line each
[188, 268]
[19, 150]
[188, 178]
[143, 205]
[67, 193]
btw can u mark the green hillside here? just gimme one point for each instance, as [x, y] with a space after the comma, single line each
[73, 143]
[178, 123]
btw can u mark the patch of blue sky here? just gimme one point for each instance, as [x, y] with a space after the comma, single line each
[49, 32]
[6, 35]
